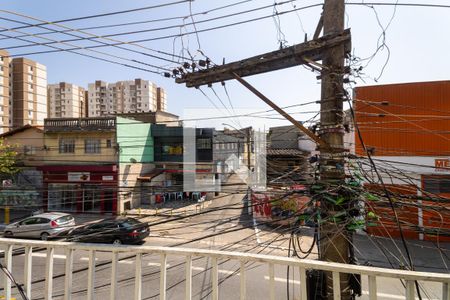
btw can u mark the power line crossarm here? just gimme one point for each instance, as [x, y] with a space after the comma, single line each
[271, 61]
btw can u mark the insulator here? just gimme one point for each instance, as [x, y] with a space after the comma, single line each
[175, 72]
[167, 75]
[202, 63]
[186, 65]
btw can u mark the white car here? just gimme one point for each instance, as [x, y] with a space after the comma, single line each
[41, 226]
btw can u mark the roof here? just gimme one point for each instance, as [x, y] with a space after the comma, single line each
[285, 152]
[21, 129]
[403, 84]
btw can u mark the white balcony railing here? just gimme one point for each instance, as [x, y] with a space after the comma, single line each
[371, 274]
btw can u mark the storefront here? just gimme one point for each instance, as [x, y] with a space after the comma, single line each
[79, 189]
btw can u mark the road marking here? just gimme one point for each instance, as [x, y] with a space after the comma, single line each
[156, 264]
[226, 272]
[255, 225]
[87, 258]
[44, 255]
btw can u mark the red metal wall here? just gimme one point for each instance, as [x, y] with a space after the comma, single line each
[416, 121]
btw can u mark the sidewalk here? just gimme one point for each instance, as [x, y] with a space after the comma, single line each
[382, 252]
[172, 208]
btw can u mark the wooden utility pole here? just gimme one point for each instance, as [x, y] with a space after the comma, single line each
[335, 239]
[331, 49]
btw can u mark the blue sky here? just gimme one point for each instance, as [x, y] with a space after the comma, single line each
[416, 39]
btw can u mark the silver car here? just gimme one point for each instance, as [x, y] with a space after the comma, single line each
[41, 226]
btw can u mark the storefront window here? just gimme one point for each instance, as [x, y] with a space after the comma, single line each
[172, 150]
[62, 197]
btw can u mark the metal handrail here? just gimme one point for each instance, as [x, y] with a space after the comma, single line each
[214, 255]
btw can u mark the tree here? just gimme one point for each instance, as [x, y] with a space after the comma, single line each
[8, 157]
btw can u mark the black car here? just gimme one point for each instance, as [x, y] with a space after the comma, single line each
[116, 231]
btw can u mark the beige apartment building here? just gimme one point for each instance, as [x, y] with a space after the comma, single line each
[5, 112]
[29, 92]
[124, 97]
[66, 100]
[161, 102]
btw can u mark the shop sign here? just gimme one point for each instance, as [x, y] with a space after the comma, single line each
[78, 176]
[442, 165]
[107, 178]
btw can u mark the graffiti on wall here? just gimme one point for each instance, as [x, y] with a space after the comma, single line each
[20, 198]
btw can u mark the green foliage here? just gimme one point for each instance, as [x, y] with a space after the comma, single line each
[356, 224]
[339, 216]
[372, 215]
[371, 197]
[8, 158]
[340, 200]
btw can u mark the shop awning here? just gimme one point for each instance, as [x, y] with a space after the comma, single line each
[151, 175]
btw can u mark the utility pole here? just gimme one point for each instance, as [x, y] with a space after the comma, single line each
[335, 239]
[331, 48]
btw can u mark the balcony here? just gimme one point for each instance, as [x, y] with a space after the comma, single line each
[141, 262]
[79, 124]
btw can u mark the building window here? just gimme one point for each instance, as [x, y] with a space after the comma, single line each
[437, 185]
[108, 143]
[204, 144]
[67, 146]
[92, 146]
[29, 150]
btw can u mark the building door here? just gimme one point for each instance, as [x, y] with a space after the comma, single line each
[108, 198]
[91, 198]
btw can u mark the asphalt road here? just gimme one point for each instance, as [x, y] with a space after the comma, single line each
[224, 229]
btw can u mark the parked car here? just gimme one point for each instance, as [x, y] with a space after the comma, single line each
[122, 230]
[43, 226]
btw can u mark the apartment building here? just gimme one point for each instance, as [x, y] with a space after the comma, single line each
[5, 113]
[29, 92]
[124, 97]
[66, 100]
[161, 102]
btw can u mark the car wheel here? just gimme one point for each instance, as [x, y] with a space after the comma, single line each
[117, 242]
[44, 236]
[8, 234]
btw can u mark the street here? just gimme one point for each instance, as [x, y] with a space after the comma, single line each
[224, 229]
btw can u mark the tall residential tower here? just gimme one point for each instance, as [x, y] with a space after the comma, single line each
[5, 99]
[29, 92]
[66, 100]
[124, 97]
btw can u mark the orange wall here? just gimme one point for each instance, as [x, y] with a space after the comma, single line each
[416, 122]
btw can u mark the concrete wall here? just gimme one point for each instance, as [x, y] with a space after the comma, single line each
[135, 141]
[30, 146]
[107, 154]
